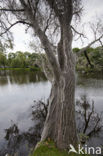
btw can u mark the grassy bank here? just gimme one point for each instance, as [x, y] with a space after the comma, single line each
[21, 69]
[48, 148]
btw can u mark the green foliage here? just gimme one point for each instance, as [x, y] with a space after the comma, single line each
[6, 43]
[34, 69]
[33, 60]
[76, 50]
[96, 58]
[3, 59]
[20, 60]
[83, 137]
[89, 50]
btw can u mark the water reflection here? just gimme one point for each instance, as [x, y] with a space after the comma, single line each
[20, 77]
[93, 88]
[23, 142]
[89, 125]
[17, 93]
[19, 89]
[89, 122]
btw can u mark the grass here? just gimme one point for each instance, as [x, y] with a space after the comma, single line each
[48, 148]
[23, 69]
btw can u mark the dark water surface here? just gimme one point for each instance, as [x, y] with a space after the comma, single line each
[18, 90]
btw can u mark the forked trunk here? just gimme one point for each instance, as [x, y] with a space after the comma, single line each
[60, 123]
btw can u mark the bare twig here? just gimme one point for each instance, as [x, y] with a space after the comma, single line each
[89, 45]
[47, 23]
[17, 22]
[80, 34]
[77, 12]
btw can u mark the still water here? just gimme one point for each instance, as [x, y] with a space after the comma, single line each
[18, 90]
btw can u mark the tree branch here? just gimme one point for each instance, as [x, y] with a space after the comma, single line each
[44, 40]
[17, 22]
[89, 45]
[61, 56]
[53, 5]
[48, 49]
[80, 34]
[47, 25]
[47, 69]
[68, 11]
[101, 42]
[12, 10]
[88, 60]
[77, 12]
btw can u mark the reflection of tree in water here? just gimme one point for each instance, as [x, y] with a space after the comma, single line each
[23, 143]
[3, 78]
[3, 81]
[21, 77]
[26, 77]
[88, 124]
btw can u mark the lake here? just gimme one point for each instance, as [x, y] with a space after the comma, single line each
[18, 90]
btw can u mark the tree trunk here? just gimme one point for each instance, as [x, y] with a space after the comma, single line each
[88, 60]
[60, 123]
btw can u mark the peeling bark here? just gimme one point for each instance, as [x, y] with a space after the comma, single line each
[60, 124]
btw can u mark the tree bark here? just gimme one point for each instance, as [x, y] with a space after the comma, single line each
[88, 60]
[60, 123]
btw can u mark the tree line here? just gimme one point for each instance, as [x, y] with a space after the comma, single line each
[89, 59]
[19, 59]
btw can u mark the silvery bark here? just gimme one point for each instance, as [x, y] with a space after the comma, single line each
[60, 123]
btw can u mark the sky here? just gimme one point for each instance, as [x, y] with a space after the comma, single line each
[92, 8]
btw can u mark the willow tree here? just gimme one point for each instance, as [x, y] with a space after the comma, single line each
[50, 21]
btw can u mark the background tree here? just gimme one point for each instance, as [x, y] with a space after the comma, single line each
[96, 28]
[95, 59]
[3, 60]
